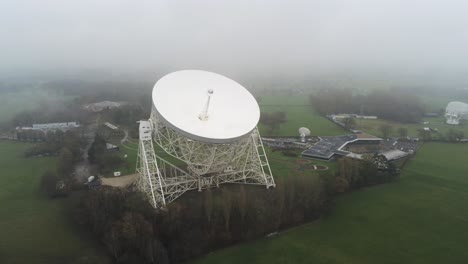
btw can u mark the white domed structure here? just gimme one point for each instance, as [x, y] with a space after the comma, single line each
[303, 133]
[455, 112]
[207, 122]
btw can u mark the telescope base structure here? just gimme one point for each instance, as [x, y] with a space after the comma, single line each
[163, 182]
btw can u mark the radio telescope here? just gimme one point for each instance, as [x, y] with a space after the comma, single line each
[455, 112]
[207, 125]
[304, 132]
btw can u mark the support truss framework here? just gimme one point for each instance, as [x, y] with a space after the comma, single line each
[208, 165]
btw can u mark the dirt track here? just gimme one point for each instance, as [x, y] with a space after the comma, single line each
[122, 181]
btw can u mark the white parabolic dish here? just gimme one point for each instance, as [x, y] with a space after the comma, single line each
[181, 99]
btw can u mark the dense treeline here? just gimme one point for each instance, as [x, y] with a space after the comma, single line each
[354, 174]
[127, 116]
[51, 141]
[68, 147]
[198, 223]
[95, 91]
[70, 111]
[273, 120]
[106, 161]
[395, 105]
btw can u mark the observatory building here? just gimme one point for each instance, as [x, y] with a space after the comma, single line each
[207, 125]
[455, 112]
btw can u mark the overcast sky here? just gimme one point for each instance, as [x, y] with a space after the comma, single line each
[264, 36]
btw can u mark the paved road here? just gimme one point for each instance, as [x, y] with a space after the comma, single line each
[124, 139]
[83, 168]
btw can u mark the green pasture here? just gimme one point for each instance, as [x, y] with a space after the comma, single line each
[373, 127]
[34, 228]
[299, 113]
[422, 218]
[130, 148]
[284, 166]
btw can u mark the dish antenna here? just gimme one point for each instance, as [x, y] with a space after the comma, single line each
[208, 124]
[303, 133]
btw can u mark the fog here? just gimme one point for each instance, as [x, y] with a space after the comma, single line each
[423, 38]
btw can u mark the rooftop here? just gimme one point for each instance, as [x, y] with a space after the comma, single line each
[329, 146]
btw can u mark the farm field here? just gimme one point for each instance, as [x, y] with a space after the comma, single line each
[432, 104]
[420, 219]
[284, 166]
[299, 113]
[373, 127]
[34, 229]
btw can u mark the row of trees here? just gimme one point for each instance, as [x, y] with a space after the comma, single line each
[52, 141]
[387, 130]
[393, 105]
[355, 174]
[127, 116]
[198, 223]
[54, 113]
[273, 120]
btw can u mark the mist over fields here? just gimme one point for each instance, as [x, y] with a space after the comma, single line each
[408, 42]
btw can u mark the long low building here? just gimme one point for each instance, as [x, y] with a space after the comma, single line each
[99, 106]
[328, 147]
[51, 126]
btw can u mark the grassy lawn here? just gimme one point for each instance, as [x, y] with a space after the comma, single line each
[130, 148]
[299, 113]
[420, 219]
[284, 166]
[373, 126]
[33, 228]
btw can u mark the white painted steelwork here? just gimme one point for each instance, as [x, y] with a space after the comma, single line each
[208, 123]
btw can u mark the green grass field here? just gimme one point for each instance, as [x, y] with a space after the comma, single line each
[420, 219]
[299, 113]
[284, 166]
[373, 127]
[130, 148]
[33, 228]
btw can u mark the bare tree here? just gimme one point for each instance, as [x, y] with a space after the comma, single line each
[386, 130]
[403, 132]
[227, 204]
[242, 203]
[273, 120]
[349, 122]
[208, 204]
